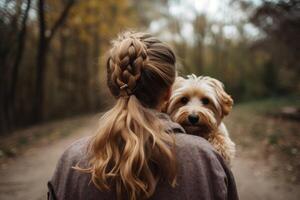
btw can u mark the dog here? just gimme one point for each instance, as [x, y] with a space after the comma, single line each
[199, 105]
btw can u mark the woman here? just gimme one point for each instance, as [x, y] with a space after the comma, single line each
[137, 152]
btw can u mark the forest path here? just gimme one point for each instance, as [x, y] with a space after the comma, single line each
[25, 177]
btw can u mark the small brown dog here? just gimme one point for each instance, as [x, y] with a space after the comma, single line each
[199, 105]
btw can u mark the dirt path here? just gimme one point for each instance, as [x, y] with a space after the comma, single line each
[255, 181]
[26, 176]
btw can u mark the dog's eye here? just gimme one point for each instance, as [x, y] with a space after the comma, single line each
[184, 100]
[205, 101]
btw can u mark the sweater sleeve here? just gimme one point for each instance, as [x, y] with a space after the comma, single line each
[232, 193]
[51, 194]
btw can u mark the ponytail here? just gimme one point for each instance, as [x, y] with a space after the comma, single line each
[131, 150]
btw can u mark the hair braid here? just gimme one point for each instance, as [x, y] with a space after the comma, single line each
[126, 62]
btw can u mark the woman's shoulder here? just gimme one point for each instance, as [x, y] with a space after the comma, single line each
[191, 141]
[75, 153]
[79, 145]
[67, 181]
[169, 125]
[189, 147]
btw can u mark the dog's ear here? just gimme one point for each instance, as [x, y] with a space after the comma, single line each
[224, 98]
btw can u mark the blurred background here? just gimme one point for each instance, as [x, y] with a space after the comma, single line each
[52, 80]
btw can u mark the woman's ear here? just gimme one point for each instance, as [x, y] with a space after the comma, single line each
[168, 94]
[165, 100]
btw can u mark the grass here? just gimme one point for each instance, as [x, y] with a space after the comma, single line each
[257, 131]
[270, 105]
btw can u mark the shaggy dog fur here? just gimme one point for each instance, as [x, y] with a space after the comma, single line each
[199, 104]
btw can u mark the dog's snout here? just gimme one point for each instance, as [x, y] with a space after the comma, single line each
[193, 118]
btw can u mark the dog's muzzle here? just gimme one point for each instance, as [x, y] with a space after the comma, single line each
[193, 119]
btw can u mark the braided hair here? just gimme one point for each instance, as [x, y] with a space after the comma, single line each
[124, 65]
[143, 59]
[131, 151]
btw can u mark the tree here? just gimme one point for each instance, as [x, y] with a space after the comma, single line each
[199, 25]
[280, 21]
[13, 31]
[45, 37]
[19, 56]
[69, 35]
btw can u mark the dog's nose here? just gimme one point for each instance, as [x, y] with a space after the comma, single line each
[193, 118]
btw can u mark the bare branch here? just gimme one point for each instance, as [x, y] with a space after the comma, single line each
[61, 19]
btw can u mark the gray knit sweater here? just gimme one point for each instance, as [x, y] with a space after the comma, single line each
[202, 173]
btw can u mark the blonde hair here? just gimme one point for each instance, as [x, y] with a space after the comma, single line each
[132, 150]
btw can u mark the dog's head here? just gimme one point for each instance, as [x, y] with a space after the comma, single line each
[198, 104]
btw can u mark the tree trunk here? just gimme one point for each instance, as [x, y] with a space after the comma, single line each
[40, 79]
[19, 56]
[4, 115]
[93, 92]
[61, 60]
[8, 42]
[43, 49]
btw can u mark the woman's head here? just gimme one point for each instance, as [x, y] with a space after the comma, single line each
[131, 150]
[141, 65]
